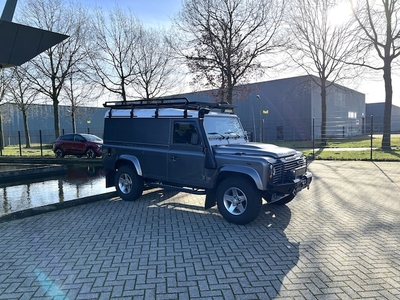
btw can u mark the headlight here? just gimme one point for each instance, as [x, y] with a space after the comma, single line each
[272, 171]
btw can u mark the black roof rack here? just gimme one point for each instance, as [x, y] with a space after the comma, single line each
[179, 103]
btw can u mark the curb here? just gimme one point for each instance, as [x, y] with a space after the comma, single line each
[54, 207]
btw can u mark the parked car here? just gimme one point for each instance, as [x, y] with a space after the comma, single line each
[78, 144]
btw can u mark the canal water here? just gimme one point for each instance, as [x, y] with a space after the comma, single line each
[70, 184]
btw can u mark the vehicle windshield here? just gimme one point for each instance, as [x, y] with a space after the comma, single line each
[224, 129]
[92, 138]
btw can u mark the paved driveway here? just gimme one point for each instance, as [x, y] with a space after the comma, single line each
[339, 240]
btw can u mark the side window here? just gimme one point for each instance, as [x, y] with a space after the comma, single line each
[183, 132]
[68, 137]
[78, 138]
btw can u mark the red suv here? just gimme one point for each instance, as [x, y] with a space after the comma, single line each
[78, 144]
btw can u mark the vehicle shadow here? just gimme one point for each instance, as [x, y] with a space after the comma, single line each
[255, 256]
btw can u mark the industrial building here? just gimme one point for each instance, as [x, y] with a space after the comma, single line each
[290, 109]
[284, 109]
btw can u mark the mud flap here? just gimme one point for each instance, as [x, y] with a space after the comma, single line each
[211, 198]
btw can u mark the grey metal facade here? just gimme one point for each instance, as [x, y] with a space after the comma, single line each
[41, 120]
[283, 109]
[376, 110]
[286, 109]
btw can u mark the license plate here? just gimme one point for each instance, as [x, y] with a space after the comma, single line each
[300, 171]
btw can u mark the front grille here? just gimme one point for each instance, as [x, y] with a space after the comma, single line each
[284, 169]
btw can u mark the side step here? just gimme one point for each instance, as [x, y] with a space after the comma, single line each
[177, 188]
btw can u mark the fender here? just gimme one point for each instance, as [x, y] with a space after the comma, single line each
[133, 159]
[246, 171]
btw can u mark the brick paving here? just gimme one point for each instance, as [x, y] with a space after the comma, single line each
[339, 240]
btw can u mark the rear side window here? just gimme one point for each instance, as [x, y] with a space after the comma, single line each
[183, 132]
[67, 137]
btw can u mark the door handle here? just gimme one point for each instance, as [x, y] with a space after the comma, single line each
[174, 158]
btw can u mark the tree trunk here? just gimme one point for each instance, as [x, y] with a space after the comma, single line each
[26, 128]
[323, 112]
[1, 134]
[56, 118]
[73, 121]
[387, 116]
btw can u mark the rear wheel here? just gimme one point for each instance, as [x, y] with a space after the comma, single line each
[239, 200]
[128, 183]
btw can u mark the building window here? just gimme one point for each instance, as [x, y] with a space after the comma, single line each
[352, 115]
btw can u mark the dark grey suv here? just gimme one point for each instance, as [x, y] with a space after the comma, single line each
[198, 148]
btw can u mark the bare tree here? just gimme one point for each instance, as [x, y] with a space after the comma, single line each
[53, 66]
[223, 40]
[4, 87]
[319, 45]
[379, 21]
[78, 92]
[23, 95]
[112, 60]
[154, 63]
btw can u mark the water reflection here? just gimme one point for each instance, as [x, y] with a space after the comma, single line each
[73, 184]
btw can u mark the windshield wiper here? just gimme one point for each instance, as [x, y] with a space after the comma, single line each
[216, 133]
[236, 136]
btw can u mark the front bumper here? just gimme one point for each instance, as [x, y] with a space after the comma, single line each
[294, 186]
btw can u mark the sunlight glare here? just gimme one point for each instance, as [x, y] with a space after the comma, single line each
[340, 14]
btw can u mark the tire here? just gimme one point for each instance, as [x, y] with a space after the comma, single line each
[128, 184]
[59, 153]
[239, 201]
[90, 153]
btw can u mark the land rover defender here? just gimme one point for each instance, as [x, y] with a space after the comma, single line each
[198, 148]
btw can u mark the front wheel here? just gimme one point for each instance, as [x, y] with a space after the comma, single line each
[90, 153]
[239, 200]
[128, 183]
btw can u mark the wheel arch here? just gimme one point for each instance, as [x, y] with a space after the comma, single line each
[250, 173]
[126, 159]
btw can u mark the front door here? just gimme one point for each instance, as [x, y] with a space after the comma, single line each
[186, 155]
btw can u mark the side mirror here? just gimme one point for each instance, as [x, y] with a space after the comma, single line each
[246, 135]
[194, 140]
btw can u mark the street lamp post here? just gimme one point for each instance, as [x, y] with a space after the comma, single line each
[261, 120]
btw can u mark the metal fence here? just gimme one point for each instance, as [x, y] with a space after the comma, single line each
[299, 134]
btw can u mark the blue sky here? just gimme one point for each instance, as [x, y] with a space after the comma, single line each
[149, 11]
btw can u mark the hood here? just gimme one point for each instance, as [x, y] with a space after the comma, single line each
[256, 149]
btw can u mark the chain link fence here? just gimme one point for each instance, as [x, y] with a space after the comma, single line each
[342, 134]
[15, 142]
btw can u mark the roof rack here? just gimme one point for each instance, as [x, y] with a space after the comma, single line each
[179, 103]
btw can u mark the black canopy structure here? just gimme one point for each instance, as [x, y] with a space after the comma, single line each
[20, 43]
